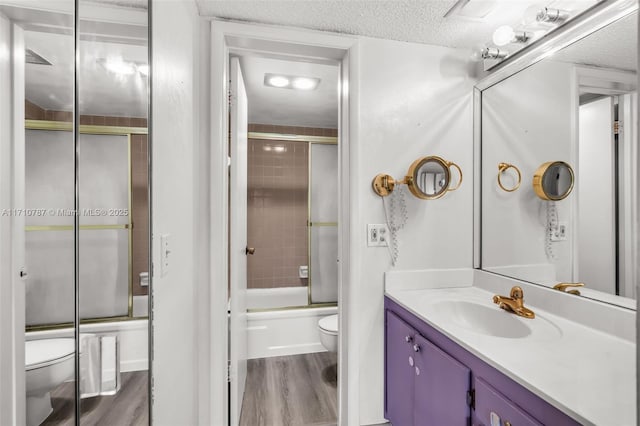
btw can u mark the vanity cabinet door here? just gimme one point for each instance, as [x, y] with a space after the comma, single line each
[489, 402]
[441, 387]
[399, 370]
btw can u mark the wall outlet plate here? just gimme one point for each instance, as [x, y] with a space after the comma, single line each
[377, 235]
[560, 233]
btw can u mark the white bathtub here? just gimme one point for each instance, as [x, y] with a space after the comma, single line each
[285, 332]
[269, 298]
[133, 335]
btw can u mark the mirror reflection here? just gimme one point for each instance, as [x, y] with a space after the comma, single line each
[578, 108]
[553, 181]
[432, 178]
[101, 260]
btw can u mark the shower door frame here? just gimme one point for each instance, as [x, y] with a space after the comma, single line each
[309, 140]
[128, 131]
[337, 49]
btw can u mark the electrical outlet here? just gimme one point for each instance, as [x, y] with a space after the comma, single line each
[377, 235]
[560, 233]
[165, 251]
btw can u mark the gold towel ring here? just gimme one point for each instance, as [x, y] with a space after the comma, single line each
[503, 167]
[451, 163]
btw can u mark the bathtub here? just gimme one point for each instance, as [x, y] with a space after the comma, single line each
[285, 331]
[133, 336]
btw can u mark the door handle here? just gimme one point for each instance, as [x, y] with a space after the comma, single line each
[249, 250]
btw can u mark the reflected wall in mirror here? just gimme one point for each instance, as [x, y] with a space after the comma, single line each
[576, 107]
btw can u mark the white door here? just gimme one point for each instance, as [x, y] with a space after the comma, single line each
[238, 241]
[596, 196]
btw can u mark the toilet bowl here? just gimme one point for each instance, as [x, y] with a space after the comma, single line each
[328, 327]
[48, 363]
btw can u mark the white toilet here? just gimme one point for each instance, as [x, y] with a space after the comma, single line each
[328, 327]
[48, 362]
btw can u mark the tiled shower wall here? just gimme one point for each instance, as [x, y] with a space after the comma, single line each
[278, 180]
[139, 181]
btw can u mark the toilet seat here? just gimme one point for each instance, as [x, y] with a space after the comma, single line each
[329, 324]
[42, 353]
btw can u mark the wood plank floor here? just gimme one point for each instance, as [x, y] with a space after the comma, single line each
[129, 407]
[298, 390]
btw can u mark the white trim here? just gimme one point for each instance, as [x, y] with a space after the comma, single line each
[319, 42]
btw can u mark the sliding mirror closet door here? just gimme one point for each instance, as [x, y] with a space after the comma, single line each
[113, 235]
[41, 42]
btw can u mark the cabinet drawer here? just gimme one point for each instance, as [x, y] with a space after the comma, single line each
[488, 400]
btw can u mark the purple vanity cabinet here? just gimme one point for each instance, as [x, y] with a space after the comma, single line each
[400, 371]
[489, 401]
[441, 386]
[424, 386]
[439, 383]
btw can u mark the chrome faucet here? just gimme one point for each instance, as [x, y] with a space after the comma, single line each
[514, 303]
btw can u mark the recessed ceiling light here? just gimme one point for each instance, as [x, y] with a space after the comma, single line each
[278, 81]
[304, 83]
[291, 81]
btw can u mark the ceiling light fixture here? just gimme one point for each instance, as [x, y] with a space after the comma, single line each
[506, 35]
[303, 83]
[291, 82]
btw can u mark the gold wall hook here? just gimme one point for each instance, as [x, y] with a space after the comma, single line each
[503, 167]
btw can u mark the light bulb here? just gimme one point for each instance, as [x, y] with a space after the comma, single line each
[278, 81]
[303, 83]
[503, 35]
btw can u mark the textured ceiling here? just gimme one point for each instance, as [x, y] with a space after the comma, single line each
[287, 107]
[418, 21]
[614, 46]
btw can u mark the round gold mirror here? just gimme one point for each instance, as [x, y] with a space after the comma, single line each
[553, 180]
[429, 178]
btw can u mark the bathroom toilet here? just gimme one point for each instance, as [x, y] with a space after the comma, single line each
[48, 363]
[328, 327]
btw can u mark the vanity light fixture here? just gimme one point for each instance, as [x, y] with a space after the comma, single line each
[291, 82]
[492, 53]
[505, 34]
[552, 16]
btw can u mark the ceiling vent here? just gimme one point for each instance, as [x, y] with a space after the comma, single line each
[32, 57]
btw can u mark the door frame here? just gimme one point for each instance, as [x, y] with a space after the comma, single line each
[12, 290]
[293, 42]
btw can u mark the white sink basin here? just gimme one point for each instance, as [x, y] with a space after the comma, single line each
[489, 319]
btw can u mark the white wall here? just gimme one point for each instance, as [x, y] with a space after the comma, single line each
[513, 224]
[178, 207]
[414, 100]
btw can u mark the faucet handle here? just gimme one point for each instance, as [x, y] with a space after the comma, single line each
[516, 292]
[564, 286]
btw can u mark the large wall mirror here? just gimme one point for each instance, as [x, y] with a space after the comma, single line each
[80, 84]
[571, 116]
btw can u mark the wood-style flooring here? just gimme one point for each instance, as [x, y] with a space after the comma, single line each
[128, 407]
[297, 390]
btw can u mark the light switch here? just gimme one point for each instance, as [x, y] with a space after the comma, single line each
[165, 254]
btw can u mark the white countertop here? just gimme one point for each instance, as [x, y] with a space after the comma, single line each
[586, 373]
